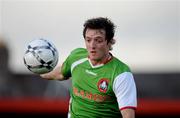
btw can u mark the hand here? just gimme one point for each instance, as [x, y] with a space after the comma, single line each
[54, 75]
[47, 76]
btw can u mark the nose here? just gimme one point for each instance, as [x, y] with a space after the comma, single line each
[93, 44]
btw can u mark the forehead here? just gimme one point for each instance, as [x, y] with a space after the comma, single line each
[95, 32]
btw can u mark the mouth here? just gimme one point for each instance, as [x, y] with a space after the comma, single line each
[92, 52]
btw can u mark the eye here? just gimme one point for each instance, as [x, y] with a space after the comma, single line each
[88, 39]
[99, 40]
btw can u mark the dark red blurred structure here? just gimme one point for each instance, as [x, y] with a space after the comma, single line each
[59, 107]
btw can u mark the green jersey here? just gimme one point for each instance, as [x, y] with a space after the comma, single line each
[98, 91]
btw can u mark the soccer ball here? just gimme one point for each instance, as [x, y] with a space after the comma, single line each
[41, 56]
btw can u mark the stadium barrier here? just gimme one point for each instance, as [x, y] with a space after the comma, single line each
[146, 107]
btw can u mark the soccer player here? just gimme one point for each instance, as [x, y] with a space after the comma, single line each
[102, 85]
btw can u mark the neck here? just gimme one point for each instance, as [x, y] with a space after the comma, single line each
[104, 60]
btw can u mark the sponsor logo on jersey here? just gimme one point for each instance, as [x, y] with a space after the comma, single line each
[90, 96]
[103, 85]
[91, 73]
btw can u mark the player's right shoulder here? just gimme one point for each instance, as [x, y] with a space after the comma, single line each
[77, 54]
[79, 50]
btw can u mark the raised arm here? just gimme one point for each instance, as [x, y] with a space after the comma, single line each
[54, 75]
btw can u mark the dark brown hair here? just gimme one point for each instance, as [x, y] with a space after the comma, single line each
[101, 23]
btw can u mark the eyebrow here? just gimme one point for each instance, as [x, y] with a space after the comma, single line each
[100, 31]
[94, 37]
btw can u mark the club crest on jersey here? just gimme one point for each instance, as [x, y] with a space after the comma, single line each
[103, 85]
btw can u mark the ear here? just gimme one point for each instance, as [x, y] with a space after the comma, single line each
[111, 42]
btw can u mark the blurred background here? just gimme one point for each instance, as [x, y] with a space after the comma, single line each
[147, 39]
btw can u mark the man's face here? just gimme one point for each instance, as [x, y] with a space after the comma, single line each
[96, 44]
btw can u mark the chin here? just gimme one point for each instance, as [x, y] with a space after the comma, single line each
[93, 58]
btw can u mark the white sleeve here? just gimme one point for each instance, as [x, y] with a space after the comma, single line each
[125, 90]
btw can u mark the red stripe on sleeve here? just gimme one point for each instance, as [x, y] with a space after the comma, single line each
[128, 107]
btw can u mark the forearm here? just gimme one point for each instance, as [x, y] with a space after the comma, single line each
[128, 113]
[54, 75]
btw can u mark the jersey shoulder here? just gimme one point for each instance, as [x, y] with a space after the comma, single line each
[77, 54]
[79, 51]
[120, 66]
